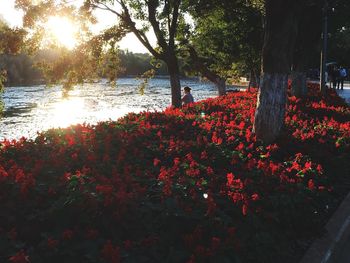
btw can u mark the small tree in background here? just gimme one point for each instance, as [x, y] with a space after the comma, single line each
[225, 40]
[11, 42]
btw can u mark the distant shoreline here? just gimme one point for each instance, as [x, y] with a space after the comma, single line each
[43, 82]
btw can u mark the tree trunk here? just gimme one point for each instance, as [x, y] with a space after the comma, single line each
[253, 80]
[299, 88]
[221, 85]
[309, 30]
[173, 70]
[279, 40]
[199, 65]
[269, 114]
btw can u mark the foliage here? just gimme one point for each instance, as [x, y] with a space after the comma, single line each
[183, 185]
[135, 63]
[339, 32]
[227, 35]
[22, 69]
[340, 47]
[310, 29]
[131, 16]
[11, 39]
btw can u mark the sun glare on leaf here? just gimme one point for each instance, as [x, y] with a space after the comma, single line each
[62, 31]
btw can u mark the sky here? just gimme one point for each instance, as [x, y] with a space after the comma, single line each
[14, 18]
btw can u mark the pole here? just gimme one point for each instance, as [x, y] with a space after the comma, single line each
[324, 49]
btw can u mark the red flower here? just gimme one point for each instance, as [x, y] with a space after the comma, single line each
[204, 155]
[156, 161]
[244, 209]
[255, 197]
[240, 147]
[19, 257]
[176, 161]
[311, 184]
[230, 178]
[308, 165]
[319, 169]
[3, 173]
[210, 170]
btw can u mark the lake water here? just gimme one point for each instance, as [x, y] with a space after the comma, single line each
[38, 108]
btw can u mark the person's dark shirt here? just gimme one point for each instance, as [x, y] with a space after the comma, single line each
[187, 98]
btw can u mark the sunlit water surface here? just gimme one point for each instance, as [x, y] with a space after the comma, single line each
[38, 108]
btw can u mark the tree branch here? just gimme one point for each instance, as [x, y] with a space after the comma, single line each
[174, 22]
[199, 65]
[138, 33]
[126, 18]
[167, 10]
[152, 4]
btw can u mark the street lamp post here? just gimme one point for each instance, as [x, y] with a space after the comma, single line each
[324, 48]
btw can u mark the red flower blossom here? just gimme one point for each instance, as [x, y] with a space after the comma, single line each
[230, 177]
[156, 161]
[311, 184]
[255, 197]
[19, 257]
[244, 209]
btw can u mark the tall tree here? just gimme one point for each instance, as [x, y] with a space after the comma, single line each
[162, 16]
[277, 53]
[225, 40]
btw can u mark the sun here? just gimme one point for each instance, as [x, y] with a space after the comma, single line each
[62, 31]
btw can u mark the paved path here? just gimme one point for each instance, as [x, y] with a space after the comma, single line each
[345, 93]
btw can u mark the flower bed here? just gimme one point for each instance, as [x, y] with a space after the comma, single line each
[189, 185]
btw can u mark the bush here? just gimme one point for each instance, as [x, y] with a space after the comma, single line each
[183, 185]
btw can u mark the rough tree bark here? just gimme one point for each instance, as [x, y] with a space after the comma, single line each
[299, 87]
[279, 40]
[173, 70]
[221, 85]
[253, 80]
[298, 75]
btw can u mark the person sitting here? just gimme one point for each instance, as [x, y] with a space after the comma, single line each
[187, 98]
